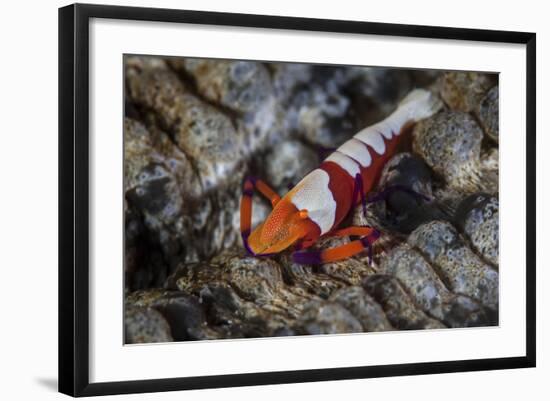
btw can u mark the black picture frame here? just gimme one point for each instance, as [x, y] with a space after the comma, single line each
[74, 198]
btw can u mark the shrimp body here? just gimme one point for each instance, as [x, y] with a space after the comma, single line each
[317, 205]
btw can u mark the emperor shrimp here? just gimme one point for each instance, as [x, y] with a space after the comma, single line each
[320, 202]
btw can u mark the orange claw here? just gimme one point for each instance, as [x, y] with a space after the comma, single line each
[266, 191]
[358, 231]
[250, 184]
[368, 236]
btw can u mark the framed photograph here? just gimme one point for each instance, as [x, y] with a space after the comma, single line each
[250, 199]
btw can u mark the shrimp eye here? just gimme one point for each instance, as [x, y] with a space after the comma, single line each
[303, 214]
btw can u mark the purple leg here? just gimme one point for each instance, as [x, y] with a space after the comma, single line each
[315, 257]
[245, 236]
[368, 241]
[307, 258]
[358, 191]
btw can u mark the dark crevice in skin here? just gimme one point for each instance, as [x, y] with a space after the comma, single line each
[244, 298]
[286, 276]
[140, 112]
[438, 270]
[485, 154]
[417, 306]
[461, 216]
[435, 267]
[170, 134]
[337, 279]
[144, 243]
[315, 274]
[480, 256]
[190, 84]
[131, 109]
[486, 142]
[413, 303]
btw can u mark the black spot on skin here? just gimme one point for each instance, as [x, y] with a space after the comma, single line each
[475, 201]
[406, 210]
[150, 195]
[183, 313]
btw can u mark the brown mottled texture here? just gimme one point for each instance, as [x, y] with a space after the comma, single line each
[309, 279]
[237, 85]
[366, 310]
[487, 112]
[205, 134]
[249, 296]
[479, 218]
[245, 296]
[464, 90]
[143, 325]
[142, 149]
[243, 89]
[159, 189]
[400, 309]
[450, 143]
[322, 317]
[183, 173]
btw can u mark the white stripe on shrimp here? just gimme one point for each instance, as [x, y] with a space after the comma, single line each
[357, 150]
[344, 161]
[373, 138]
[313, 194]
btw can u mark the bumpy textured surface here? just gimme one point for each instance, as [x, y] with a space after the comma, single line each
[145, 326]
[460, 267]
[450, 143]
[430, 293]
[464, 90]
[487, 112]
[194, 129]
[478, 217]
[287, 163]
[399, 307]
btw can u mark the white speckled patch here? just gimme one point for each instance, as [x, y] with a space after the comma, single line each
[313, 194]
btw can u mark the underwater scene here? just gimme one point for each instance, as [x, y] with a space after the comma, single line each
[267, 199]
